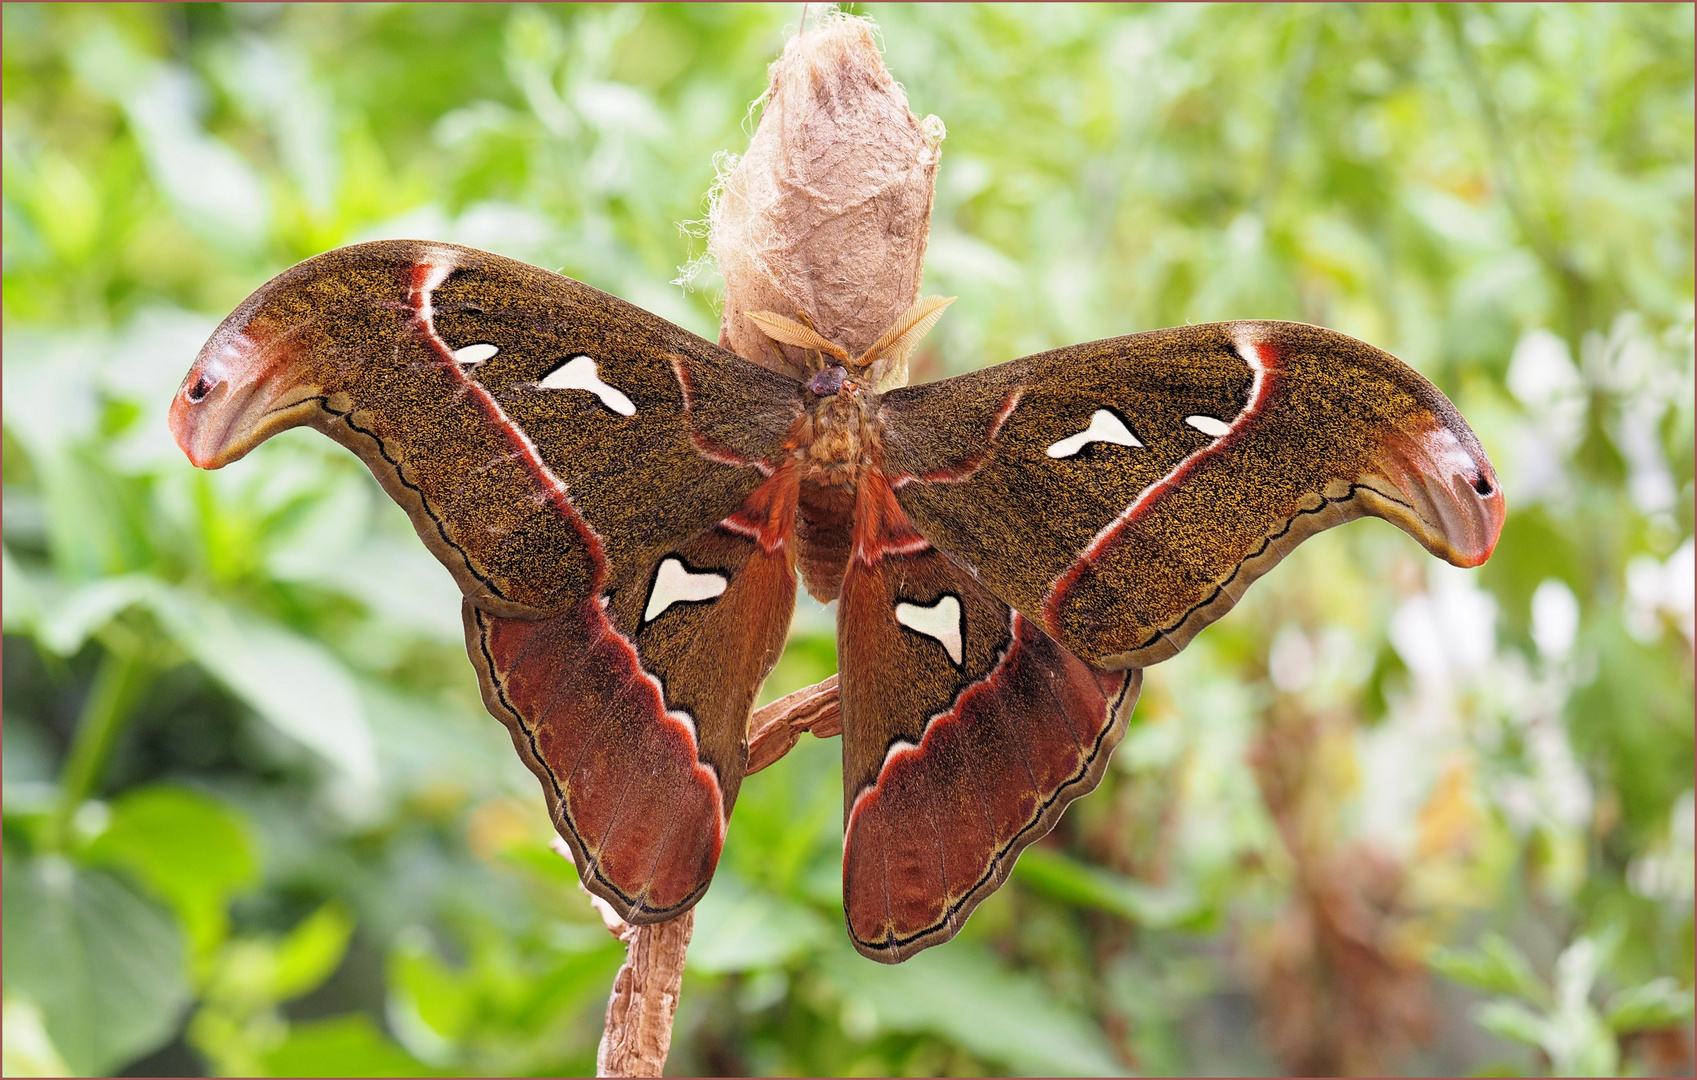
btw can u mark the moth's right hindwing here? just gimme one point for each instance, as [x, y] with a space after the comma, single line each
[966, 732]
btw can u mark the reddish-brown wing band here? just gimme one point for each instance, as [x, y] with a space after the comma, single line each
[605, 487]
[1169, 470]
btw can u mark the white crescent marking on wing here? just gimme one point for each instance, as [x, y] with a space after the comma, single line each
[940, 620]
[674, 584]
[579, 373]
[1211, 426]
[474, 354]
[1104, 427]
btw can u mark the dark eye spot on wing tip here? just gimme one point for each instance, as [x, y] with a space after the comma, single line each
[1483, 486]
[200, 389]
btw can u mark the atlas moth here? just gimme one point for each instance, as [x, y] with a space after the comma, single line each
[627, 507]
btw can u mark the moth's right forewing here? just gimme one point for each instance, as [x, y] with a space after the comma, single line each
[1126, 492]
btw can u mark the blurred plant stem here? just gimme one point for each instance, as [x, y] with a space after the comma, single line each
[125, 671]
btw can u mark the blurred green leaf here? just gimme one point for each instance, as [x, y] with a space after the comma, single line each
[512, 1008]
[102, 963]
[256, 973]
[191, 850]
[1571, 1033]
[739, 929]
[1052, 873]
[290, 681]
[1534, 547]
[342, 1046]
[963, 994]
[1511, 1020]
[310, 952]
[27, 1049]
[18, 600]
[67, 624]
[1496, 966]
[428, 1003]
[215, 189]
[1636, 719]
[293, 682]
[1659, 1003]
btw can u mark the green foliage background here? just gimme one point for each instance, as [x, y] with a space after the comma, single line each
[1387, 815]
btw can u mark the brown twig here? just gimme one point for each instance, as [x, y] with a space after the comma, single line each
[638, 1033]
[776, 727]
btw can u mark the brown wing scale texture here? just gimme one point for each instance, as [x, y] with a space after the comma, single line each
[625, 506]
[580, 466]
[1170, 469]
[966, 732]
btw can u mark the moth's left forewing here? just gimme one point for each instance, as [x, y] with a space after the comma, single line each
[632, 708]
[1125, 493]
[653, 431]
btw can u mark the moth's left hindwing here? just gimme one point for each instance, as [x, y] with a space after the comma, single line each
[639, 738]
[966, 732]
[1124, 493]
[605, 487]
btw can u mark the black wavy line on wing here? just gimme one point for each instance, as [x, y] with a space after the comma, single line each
[394, 463]
[1270, 539]
[594, 867]
[971, 894]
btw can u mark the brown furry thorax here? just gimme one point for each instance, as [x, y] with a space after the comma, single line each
[839, 436]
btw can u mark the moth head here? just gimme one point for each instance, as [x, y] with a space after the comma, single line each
[822, 353]
[828, 380]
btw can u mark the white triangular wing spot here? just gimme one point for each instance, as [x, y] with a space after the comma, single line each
[674, 584]
[474, 354]
[1211, 426]
[1104, 427]
[941, 621]
[579, 373]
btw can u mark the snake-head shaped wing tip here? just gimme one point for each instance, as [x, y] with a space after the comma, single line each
[276, 356]
[1457, 503]
[1445, 492]
[232, 398]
